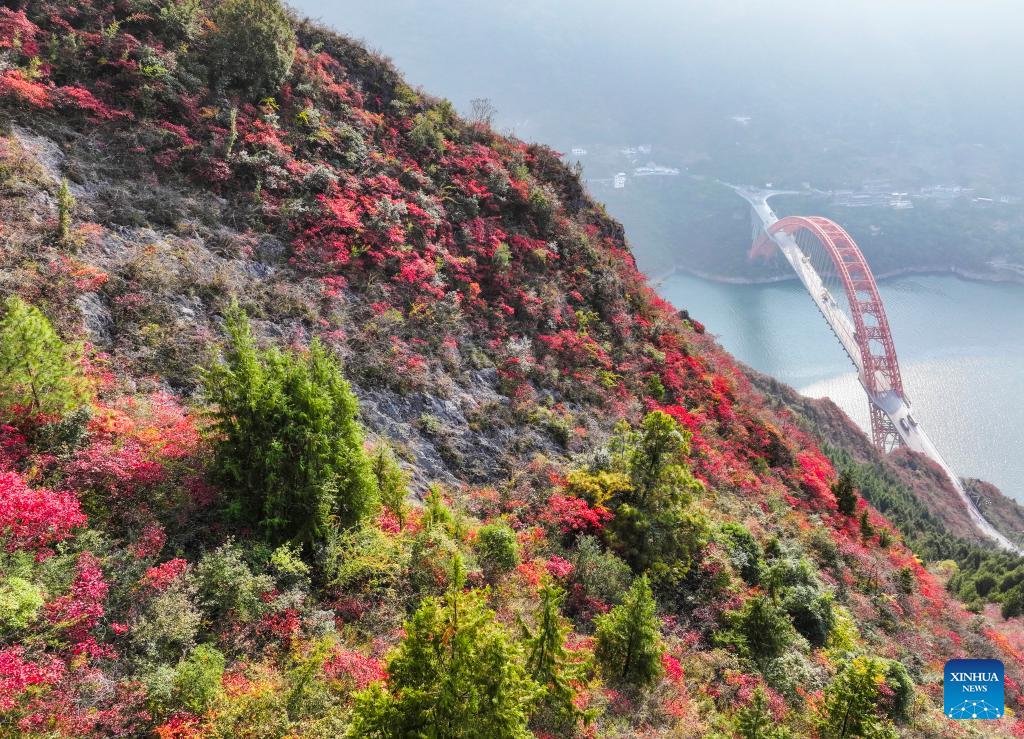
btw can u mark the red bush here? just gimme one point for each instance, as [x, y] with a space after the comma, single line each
[35, 518]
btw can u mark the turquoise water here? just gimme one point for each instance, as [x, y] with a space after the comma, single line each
[960, 344]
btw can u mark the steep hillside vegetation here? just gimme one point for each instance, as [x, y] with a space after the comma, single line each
[918, 498]
[328, 412]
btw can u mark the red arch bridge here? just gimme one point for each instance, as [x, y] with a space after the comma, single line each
[835, 274]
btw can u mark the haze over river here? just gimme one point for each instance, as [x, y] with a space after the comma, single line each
[960, 344]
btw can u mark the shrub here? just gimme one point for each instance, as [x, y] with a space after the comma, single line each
[182, 19]
[984, 584]
[289, 450]
[20, 601]
[167, 626]
[38, 372]
[429, 129]
[496, 549]
[197, 679]
[365, 559]
[846, 496]
[744, 551]
[811, 613]
[455, 674]
[288, 567]
[251, 48]
[1013, 602]
[31, 518]
[433, 551]
[755, 720]
[436, 513]
[392, 482]
[629, 646]
[603, 575]
[226, 584]
[905, 581]
[902, 687]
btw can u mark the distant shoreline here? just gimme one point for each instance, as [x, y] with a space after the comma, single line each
[960, 272]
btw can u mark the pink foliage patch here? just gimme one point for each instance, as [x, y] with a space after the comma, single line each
[77, 97]
[673, 670]
[559, 568]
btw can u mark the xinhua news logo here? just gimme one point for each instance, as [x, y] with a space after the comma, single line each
[973, 689]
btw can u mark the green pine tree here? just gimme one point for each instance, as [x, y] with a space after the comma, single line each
[867, 529]
[435, 512]
[251, 47]
[457, 674]
[629, 646]
[651, 529]
[755, 720]
[547, 660]
[289, 449]
[761, 629]
[851, 702]
[38, 372]
[846, 496]
[392, 482]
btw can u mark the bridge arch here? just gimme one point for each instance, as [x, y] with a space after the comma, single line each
[878, 367]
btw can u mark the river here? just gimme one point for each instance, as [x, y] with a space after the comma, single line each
[960, 344]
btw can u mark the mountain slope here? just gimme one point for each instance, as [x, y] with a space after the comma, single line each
[570, 427]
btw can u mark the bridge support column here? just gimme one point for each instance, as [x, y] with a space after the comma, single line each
[883, 432]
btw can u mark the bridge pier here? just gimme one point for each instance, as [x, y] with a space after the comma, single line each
[883, 431]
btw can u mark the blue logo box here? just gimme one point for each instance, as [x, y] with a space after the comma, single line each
[973, 689]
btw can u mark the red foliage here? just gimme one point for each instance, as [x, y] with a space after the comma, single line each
[35, 518]
[574, 515]
[18, 32]
[283, 625]
[816, 476]
[559, 568]
[150, 542]
[161, 576]
[122, 470]
[14, 84]
[181, 726]
[744, 686]
[13, 447]
[18, 674]
[74, 96]
[81, 609]
[673, 670]
[357, 669]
